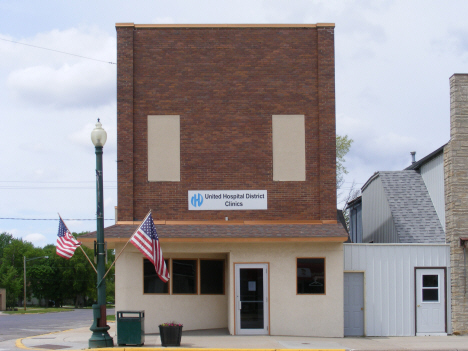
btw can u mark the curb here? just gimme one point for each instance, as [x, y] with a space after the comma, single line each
[19, 344]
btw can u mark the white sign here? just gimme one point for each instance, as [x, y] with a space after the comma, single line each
[201, 200]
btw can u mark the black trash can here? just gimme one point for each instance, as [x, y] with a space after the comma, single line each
[131, 328]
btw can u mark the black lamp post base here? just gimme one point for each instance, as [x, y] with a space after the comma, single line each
[100, 338]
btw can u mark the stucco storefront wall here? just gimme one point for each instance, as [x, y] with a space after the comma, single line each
[290, 313]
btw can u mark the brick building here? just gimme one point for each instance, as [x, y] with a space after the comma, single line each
[227, 133]
[456, 200]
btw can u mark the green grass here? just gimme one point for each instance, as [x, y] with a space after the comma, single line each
[38, 310]
[110, 317]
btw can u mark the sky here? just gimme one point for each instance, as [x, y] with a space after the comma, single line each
[393, 62]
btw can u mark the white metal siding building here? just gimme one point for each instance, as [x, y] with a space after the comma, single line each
[432, 173]
[377, 220]
[390, 288]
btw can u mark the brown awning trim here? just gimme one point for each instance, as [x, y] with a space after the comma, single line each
[228, 240]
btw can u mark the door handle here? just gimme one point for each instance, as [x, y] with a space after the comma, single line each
[419, 306]
[362, 308]
[240, 305]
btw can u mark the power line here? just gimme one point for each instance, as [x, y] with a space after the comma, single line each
[51, 187]
[38, 181]
[61, 52]
[54, 219]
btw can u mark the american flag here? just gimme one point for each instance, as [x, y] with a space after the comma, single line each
[146, 240]
[66, 243]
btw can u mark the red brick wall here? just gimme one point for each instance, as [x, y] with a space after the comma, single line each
[226, 83]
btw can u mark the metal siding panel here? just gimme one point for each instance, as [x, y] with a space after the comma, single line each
[377, 220]
[371, 291]
[406, 293]
[385, 297]
[433, 175]
[393, 293]
[389, 282]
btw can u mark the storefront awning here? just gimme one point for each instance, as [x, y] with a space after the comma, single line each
[239, 232]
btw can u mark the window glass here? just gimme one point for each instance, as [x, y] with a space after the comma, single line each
[430, 295]
[311, 276]
[430, 281]
[184, 276]
[152, 284]
[211, 276]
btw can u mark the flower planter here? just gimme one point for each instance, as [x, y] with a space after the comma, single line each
[170, 335]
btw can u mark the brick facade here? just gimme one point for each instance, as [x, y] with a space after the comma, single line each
[456, 198]
[226, 82]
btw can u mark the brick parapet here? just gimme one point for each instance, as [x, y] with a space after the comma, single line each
[226, 83]
[125, 136]
[456, 198]
[326, 111]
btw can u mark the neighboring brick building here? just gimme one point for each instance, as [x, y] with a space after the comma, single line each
[456, 199]
[227, 133]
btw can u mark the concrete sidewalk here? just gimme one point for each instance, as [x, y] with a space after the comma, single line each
[77, 339]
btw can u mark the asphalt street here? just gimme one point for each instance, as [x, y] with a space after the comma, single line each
[13, 327]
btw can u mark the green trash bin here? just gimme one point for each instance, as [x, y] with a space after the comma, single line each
[131, 328]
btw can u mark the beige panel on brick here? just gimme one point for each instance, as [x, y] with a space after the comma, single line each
[288, 148]
[164, 148]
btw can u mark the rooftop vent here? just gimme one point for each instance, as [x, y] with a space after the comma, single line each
[413, 156]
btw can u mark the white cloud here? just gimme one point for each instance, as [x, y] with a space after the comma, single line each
[37, 239]
[81, 85]
[56, 47]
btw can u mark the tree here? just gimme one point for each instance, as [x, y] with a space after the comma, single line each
[343, 145]
[5, 240]
[12, 251]
[10, 282]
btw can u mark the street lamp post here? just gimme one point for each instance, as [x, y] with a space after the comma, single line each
[24, 266]
[100, 336]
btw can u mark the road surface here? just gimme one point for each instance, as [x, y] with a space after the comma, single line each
[13, 327]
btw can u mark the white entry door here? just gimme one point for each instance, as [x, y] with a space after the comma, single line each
[251, 298]
[430, 302]
[354, 304]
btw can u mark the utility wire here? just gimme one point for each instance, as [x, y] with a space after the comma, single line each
[52, 187]
[35, 181]
[54, 219]
[61, 52]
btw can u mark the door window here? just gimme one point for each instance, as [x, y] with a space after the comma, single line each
[251, 298]
[430, 288]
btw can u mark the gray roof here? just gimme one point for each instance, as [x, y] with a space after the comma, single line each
[412, 209]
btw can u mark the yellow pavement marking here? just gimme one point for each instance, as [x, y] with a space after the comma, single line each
[19, 342]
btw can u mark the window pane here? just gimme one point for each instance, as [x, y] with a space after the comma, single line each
[184, 273]
[430, 295]
[311, 276]
[251, 298]
[430, 281]
[211, 277]
[151, 281]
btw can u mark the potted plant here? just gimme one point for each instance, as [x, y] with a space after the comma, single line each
[170, 333]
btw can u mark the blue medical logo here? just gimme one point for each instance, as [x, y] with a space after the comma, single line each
[196, 200]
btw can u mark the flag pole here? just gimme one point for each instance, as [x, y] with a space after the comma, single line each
[112, 265]
[79, 246]
[88, 259]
